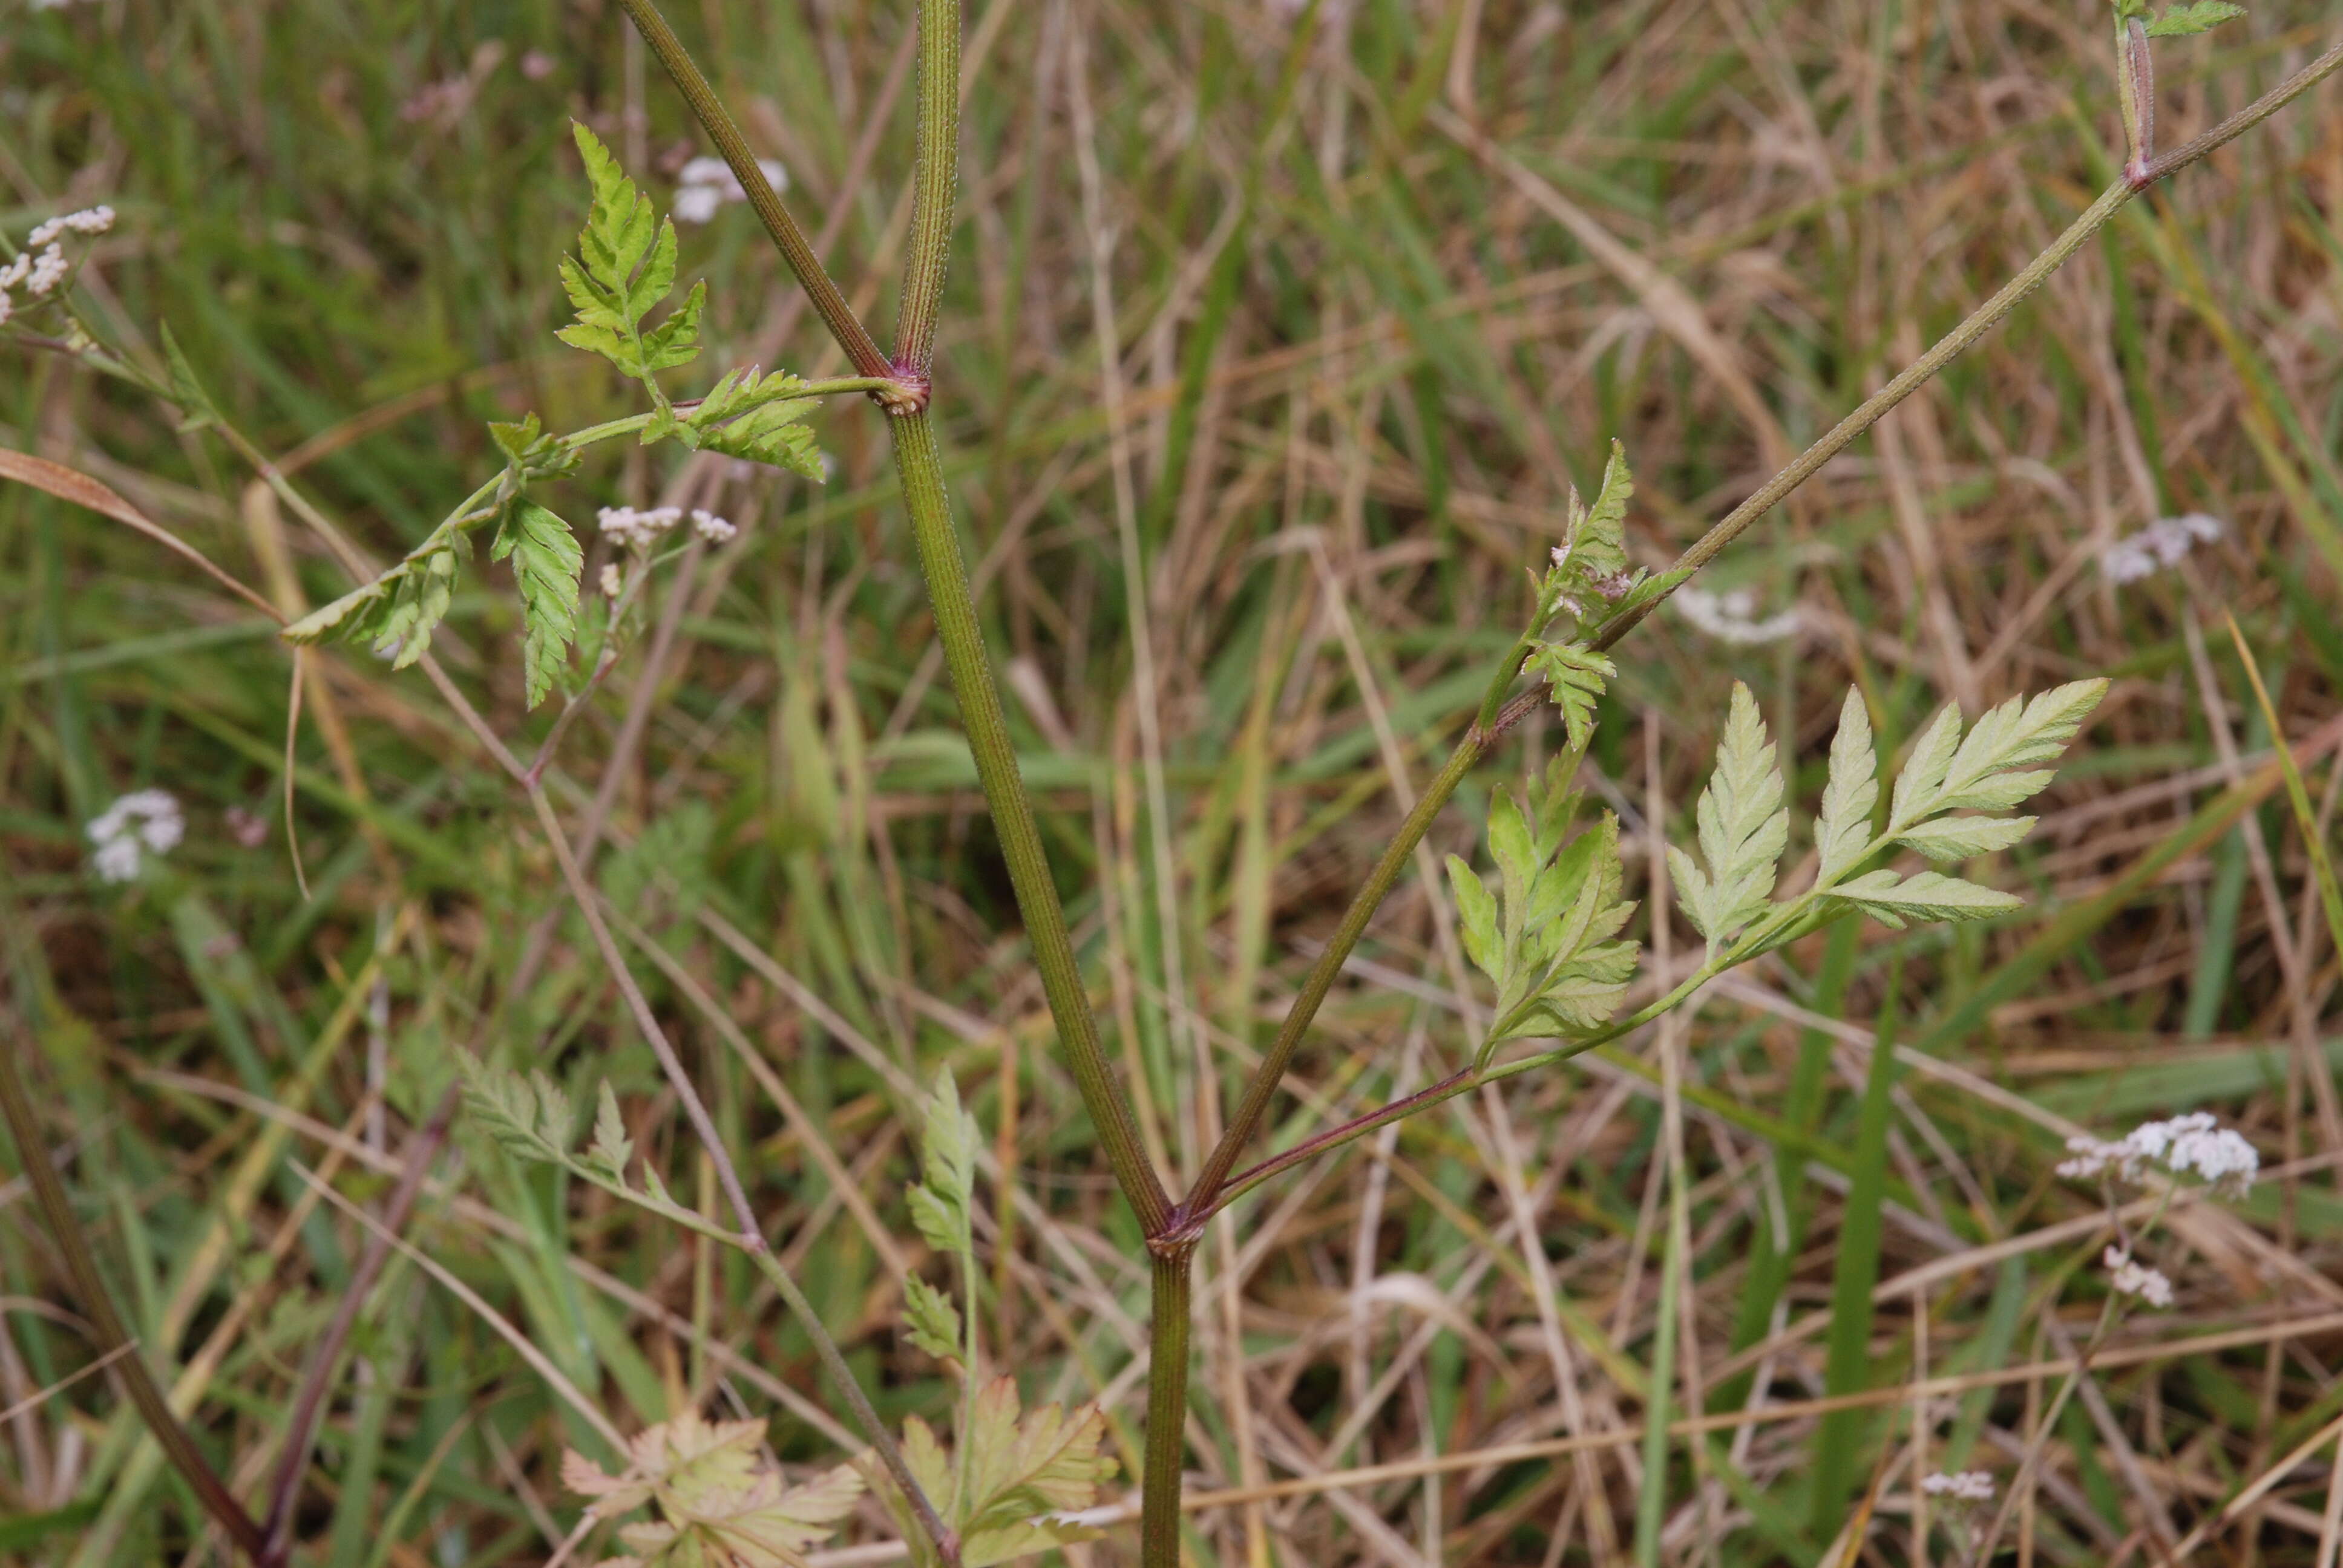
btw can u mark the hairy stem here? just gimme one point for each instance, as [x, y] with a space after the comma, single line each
[919, 468]
[105, 1324]
[935, 179]
[1167, 1409]
[829, 303]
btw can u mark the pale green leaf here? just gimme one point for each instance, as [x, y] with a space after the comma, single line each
[948, 1145]
[1844, 827]
[612, 1150]
[1923, 777]
[1477, 917]
[2188, 20]
[1925, 896]
[2017, 735]
[930, 1320]
[1743, 826]
[940, 1224]
[1949, 839]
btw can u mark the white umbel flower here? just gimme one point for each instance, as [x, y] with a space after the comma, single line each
[49, 270]
[1959, 1486]
[2134, 1278]
[612, 581]
[2160, 545]
[143, 822]
[716, 530]
[707, 184]
[2193, 1144]
[641, 528]
[1732, 617]
[88, 220]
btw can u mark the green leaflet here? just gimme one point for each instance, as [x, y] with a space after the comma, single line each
[1590, 565]
[929, 1319]
[546, 561]
[1544, 936]
[1744, 828]
[1997, 767]
[2182, 21]
[760, 419]
[1025, 1472]
[396, 612]
[531, 1117]
[947, 1141]
[716, 1500]
[1849, 798]
[1575, 676]
[612, 1151]
[625, 268]
[1924, 896]
[1957, 838]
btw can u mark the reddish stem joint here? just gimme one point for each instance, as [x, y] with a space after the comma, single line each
[909, 393]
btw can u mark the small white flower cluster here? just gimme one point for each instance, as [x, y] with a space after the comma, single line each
[41, 266]
[707, 184]
[1731, 617]
[2193, 1142]
[141, 822]
[2160, 545]
[642, 528]
[1961, 1486]
[613, 582]
[2133, 1279]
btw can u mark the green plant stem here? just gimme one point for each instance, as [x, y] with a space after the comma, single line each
[106, 1325]
[920, 467]
[829, 302]
[1980, 321]
[935, 179]
[1167, 1409]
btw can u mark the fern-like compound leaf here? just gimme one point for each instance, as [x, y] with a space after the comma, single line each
[546, 561]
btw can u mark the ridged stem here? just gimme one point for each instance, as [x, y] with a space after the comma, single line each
[919, 468]
[935, 183]
[1167, 1410]
[829, 303]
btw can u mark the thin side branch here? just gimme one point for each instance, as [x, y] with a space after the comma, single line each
[829, 303]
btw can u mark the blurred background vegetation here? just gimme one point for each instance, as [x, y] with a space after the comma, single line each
[1313, 316]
